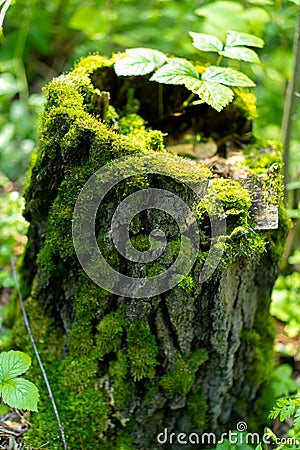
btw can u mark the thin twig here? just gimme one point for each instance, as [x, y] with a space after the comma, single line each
[61, 429]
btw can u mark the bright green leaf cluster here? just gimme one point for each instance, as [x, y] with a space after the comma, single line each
[234, 48]
[285, 408]
[17, 392]
[213, 85]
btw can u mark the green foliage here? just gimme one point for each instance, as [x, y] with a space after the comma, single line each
[234, 48]
[285, 302]
[212, 85]
[15, 391]
[284, 409]
[140, 61]
[12, 229]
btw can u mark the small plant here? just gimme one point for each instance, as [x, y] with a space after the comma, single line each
[285, 408]
[15, 391]
[213, 86]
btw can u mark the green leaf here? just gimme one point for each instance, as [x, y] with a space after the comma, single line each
[240, 53]
[227, 76]
[176, 71]
[206, 42]
[12, 364]
[235, 38]
[297, 419]
[286, 412]
[20, 393]
[139, 61]
[214, 94]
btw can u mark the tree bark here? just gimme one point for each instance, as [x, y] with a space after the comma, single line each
[190, 359]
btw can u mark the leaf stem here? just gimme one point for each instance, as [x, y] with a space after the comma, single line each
[219, 60]
[187, 102]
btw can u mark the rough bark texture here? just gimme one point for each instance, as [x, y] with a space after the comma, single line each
[192, 359]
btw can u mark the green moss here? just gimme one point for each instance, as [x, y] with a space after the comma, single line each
[156, 269]
[141, 241]
[122, 387]
[229, 200]
[245, 101]
[262, 155]
[198, 408]
[151, 394]
[235, 200]
[110, 333]
[74, 382]
[142, 350]
[259, 344]
[182, 377]
[244, 242]
[187, 284]
[131, 123]
[90, 301]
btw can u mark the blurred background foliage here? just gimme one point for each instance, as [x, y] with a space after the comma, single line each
[42, 39]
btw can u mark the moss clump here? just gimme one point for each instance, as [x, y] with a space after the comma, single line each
[198, 407]
[110, 332]
[187, 284]
[122, 387]
[227, 199]
[245, 101]
[259, 344]
[142, 350]
[181, 379]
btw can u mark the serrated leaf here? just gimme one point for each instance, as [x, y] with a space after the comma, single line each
[12, 364]
[240, 53]
[297, 419]
[176, 71]
[235, 38]
[214, 94]
[206, 42]
[227, 76]
[20, 393]
[139, 61]
[287, 412]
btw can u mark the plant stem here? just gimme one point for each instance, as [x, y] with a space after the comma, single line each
[219, 60]
[187, 101]
[290, 104]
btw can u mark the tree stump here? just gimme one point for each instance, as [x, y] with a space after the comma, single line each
[132, 361]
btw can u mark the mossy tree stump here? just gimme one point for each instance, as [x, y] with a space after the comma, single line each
[193, 358]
